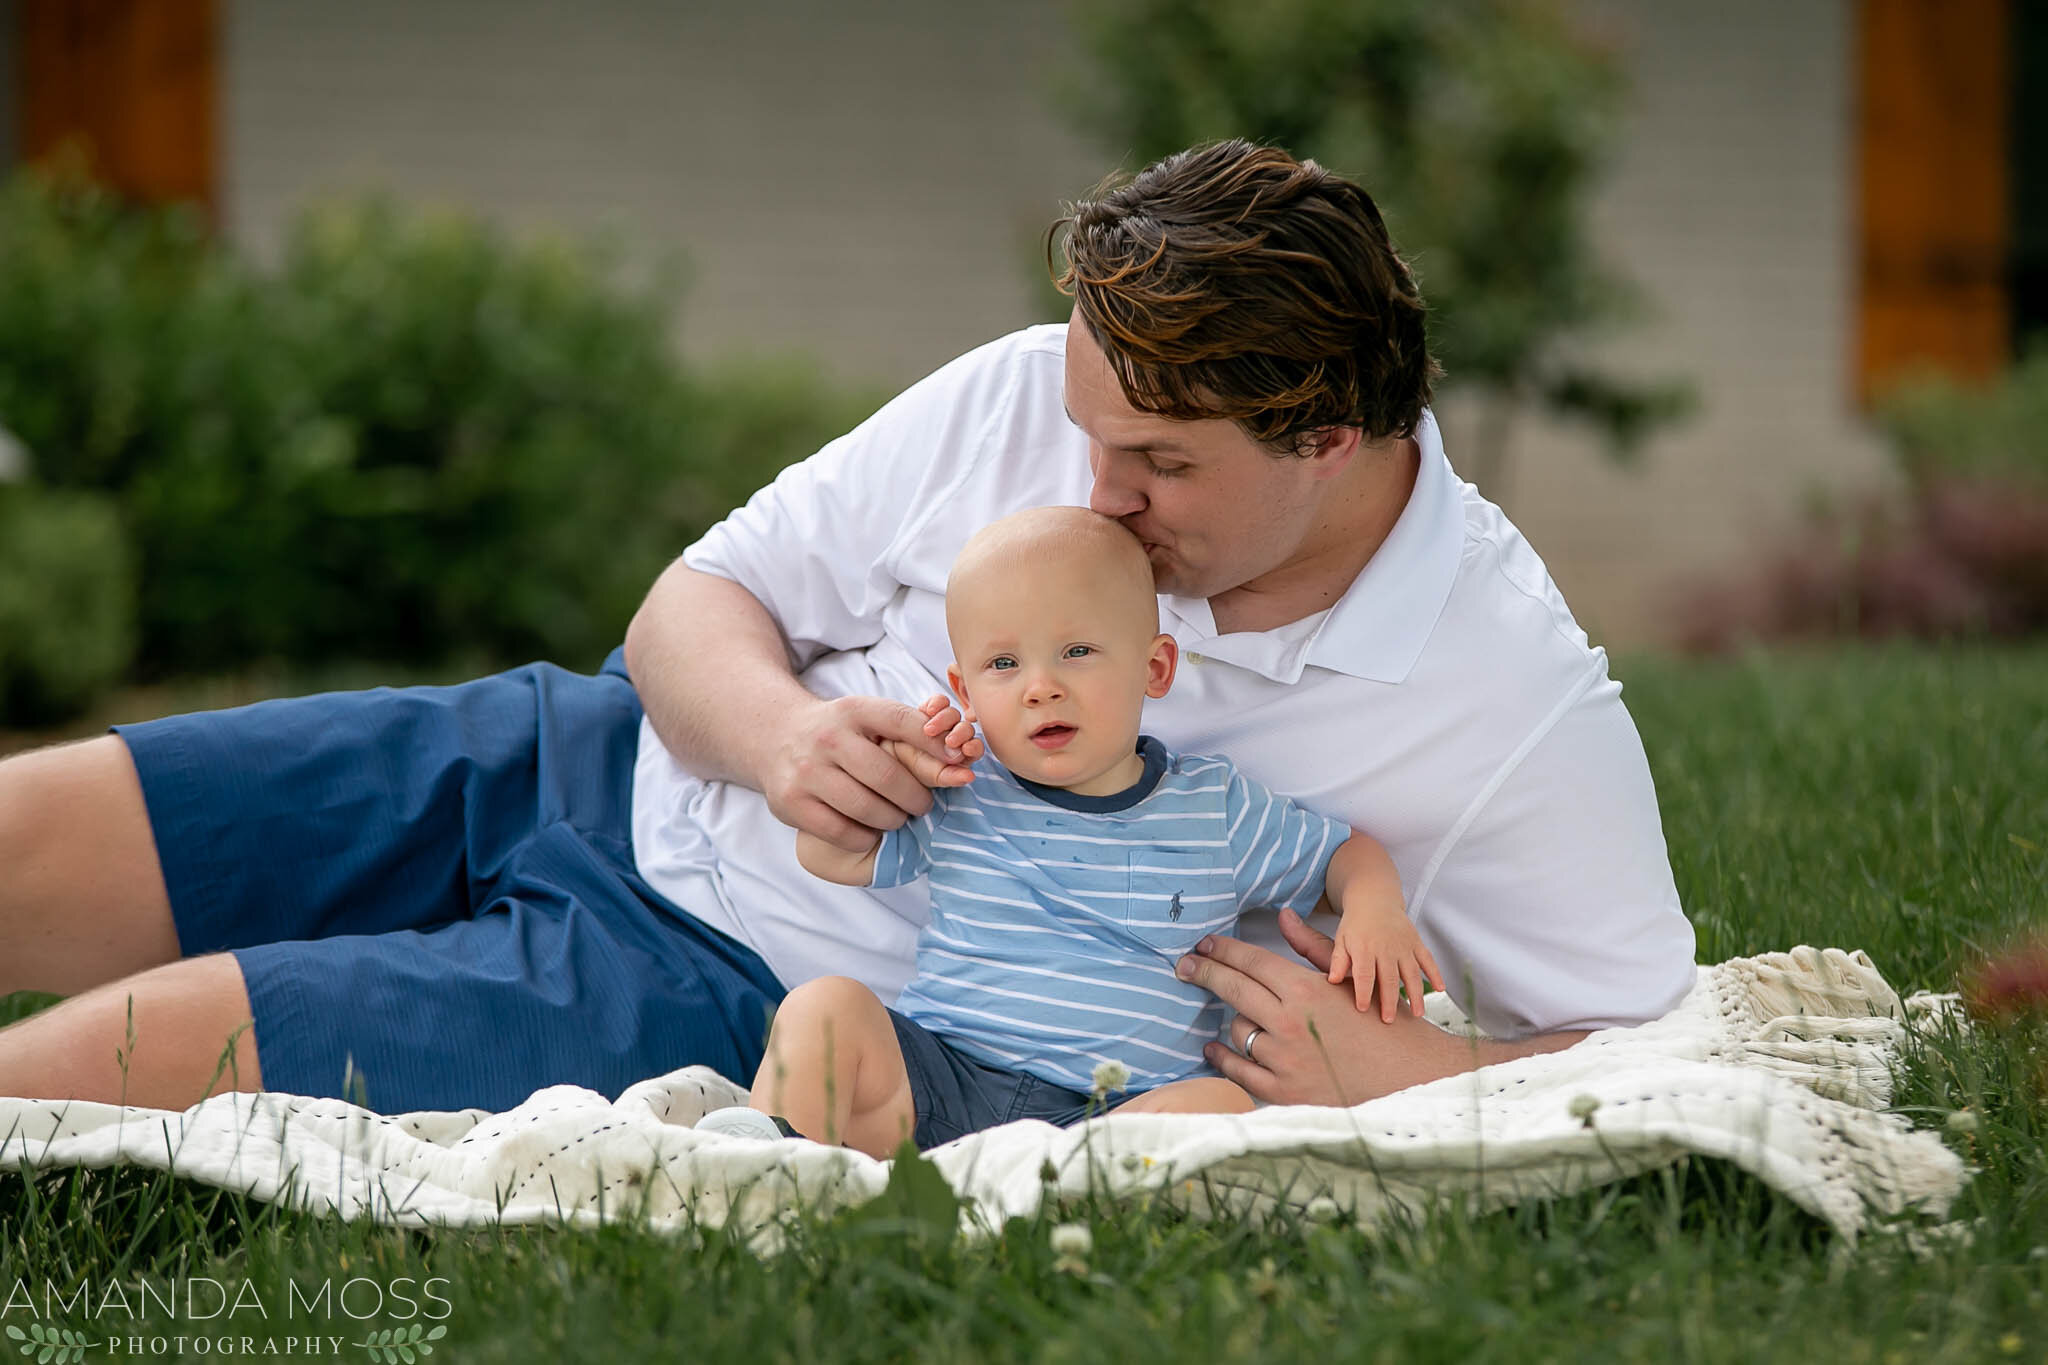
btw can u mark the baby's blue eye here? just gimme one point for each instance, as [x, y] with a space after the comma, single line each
[1002, 663]
[1076, 651]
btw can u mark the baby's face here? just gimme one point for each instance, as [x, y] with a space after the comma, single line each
[1056, 671]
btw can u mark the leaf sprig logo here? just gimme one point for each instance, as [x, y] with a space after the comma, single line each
[396, 1344]
[52, 1344]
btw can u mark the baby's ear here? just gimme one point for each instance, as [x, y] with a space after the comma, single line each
[959, 686]
[1159, 669]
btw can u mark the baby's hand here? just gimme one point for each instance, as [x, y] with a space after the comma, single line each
[1379, 948]
[943, 718]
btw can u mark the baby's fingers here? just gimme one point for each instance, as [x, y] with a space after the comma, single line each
[1430, 968]
[1390, 990]
[1362, 984]
[1411, 981]
[1340, 961]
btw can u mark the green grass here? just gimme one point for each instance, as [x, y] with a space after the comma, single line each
[1893, 800]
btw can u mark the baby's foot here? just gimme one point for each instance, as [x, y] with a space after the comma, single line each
[741, 1122]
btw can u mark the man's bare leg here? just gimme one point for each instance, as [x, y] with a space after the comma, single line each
[191, 1038]
[83, 909]
[82, 897]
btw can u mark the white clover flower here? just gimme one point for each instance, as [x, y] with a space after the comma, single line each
[1963, 1122]
[1583, 1108]
[1321, 1209]
[1072, 1239]
[1111, 1075]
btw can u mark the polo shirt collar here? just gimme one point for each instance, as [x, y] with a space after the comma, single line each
[1149, 749]
[1378, 628]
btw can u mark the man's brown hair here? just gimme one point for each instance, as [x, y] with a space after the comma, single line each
[1231, 280]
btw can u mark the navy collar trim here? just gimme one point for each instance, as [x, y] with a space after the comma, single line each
[1149, 749]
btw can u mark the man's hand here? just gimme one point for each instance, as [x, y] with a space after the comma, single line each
[831, 776]
[1313, 1045]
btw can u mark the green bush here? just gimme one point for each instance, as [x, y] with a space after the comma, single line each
[67, 602]
[1995, 432]
[1960, 551]
[413, 440]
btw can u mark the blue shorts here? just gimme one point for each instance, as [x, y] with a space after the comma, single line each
[432, 890]
[954, 1094]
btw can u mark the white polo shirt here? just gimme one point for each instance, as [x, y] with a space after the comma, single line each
[1447, 704]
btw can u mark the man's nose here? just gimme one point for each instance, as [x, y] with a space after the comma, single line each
[1109, 494]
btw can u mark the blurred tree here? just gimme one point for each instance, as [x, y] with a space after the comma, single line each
[1478, 125]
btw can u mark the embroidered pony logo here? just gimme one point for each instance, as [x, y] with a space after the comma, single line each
[1173, 912]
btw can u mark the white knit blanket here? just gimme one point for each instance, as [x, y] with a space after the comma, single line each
[1779, 1064]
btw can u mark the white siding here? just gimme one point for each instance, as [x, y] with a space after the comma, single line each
[867, 182]
[860, 181]
[1733, 203]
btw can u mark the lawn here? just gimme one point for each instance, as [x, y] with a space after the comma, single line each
[1894, 800]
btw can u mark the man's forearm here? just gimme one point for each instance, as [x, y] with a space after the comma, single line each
[1427, 1053]
[713, 671]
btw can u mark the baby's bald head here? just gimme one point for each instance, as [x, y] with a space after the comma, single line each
[1056, 646]
[1065, 550]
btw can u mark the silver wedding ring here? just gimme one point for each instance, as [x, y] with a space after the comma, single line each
[1249, 1039]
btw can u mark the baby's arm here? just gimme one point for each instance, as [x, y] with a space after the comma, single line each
[834, 864]
[1376, 941]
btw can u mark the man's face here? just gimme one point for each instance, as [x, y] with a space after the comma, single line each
[1214, 509]
[1055, 672]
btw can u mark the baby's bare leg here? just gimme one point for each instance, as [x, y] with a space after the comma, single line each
[834, 1069]
[1203, 1095]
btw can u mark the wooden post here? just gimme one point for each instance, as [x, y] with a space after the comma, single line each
[1934, 219]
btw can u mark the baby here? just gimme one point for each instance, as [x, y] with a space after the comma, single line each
[1066, 881]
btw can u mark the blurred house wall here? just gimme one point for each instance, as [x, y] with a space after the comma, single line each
[1733, 204]
[863, 181]
[867, 182]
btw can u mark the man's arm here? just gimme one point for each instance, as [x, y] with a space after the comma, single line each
[1314, 1047]
[803, 568]
[715, 674]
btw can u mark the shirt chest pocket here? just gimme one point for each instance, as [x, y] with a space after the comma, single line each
[1175, 898]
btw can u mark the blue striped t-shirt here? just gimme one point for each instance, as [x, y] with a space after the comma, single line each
[1056, 918]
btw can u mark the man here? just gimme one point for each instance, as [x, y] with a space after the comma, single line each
[456, 895]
